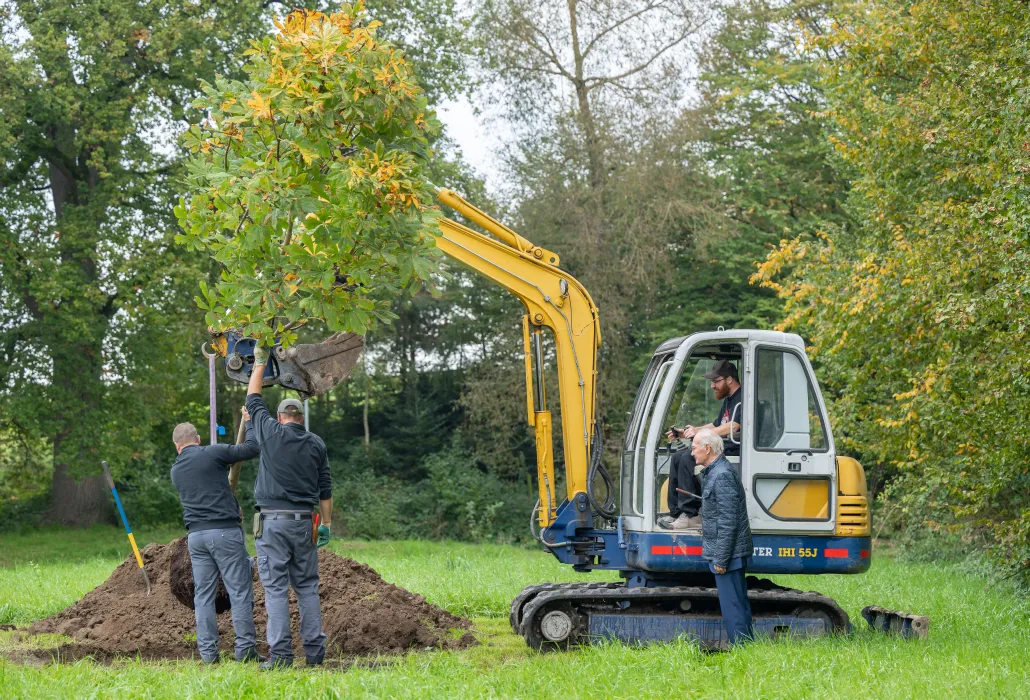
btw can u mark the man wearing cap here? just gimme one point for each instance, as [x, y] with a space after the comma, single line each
[684, 508]
[293, 480]
[215, 541]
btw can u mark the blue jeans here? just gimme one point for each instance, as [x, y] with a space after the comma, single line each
[287, 557]
[222, 552]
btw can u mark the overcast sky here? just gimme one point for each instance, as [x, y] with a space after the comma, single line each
[479, 142]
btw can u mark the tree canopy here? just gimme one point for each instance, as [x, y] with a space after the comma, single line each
[307, 180]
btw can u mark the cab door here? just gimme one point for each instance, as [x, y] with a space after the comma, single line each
[789, 466]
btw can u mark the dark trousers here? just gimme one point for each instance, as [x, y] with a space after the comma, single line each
[681, 475]
[734, 605]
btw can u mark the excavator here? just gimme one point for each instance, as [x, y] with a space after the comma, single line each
[808, 506]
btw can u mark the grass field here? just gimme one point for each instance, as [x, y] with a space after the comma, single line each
[979, 642]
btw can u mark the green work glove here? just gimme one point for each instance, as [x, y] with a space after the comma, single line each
[260, 355]
[323, 536]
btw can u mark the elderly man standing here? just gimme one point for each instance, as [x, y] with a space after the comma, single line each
[725, 534]
[213, 518]
[293, 480]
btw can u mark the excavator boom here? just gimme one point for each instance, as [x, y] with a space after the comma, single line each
[555, 300]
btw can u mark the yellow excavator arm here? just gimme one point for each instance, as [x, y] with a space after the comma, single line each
[553, 299]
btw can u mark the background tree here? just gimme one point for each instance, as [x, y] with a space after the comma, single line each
[86, 181]
[594, 172]
[759, 130]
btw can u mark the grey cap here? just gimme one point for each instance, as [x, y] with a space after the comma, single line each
[291, 407]
[722, 368]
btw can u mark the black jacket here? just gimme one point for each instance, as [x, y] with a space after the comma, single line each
[294, 470]
[200, 475]
[725, 531]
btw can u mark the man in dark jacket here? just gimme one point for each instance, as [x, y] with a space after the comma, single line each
[683, 507]
[213, 518]
[293, 480]
[725, 534]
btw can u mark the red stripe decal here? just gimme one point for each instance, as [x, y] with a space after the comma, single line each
[687, 551]
[656, 549]
[864, 554]
[835, 553]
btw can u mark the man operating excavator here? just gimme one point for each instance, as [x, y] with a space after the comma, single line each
[684, 508]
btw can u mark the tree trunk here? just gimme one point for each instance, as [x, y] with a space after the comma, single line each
[364, 408]
[595, 154]
[79, 494]
[79, 503]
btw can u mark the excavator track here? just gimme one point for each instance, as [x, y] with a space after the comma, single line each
[530, 592]
[558, 616]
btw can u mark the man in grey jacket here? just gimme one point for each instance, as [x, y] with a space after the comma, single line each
[215, 541]
[725, 534]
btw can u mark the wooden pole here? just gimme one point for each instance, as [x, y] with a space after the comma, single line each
[234, 470]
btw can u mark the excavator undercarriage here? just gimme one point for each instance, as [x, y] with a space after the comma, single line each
[557, 616]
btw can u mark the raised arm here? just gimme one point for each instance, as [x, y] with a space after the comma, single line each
[260, 421]
[230, 454]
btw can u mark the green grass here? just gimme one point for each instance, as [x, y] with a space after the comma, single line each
[979, 642]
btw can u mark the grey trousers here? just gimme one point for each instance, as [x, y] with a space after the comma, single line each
[287, 557]
[225, 552]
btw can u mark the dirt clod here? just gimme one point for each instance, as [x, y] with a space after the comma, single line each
[181, 578]
[361, 614]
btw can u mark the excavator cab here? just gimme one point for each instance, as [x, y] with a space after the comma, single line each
[783, 452]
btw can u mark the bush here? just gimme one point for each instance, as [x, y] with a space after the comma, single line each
[455, 500]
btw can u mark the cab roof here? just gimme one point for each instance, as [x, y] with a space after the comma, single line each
[733, 334]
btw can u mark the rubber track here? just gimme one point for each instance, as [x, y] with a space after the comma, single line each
[529, 592]
[611, 593]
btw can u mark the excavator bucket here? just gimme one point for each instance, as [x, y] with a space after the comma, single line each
[310, 369]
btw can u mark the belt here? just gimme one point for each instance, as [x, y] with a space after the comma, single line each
[287, 514]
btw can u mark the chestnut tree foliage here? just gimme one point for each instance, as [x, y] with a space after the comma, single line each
[307, 181]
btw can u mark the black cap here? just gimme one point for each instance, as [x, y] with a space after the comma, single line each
[722, 368]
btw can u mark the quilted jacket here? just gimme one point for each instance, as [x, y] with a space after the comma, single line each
[725, 532]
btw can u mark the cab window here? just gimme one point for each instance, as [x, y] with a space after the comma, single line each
[787, 414]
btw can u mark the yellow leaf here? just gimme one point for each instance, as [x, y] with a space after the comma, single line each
[261, 108]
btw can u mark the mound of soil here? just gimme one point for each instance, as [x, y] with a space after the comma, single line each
[361, 614]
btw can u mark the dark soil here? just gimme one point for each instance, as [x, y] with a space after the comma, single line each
[361, 614]
[180, 578]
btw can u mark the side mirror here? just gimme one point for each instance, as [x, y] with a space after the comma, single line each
[733, 419]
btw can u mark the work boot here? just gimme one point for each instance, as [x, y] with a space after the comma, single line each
[276, 664]
[313, 660]
[666, 521]
[251, 655]
[211, 661]
[684, 522]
